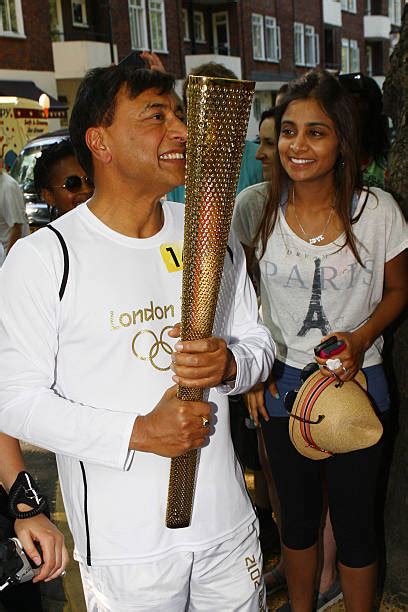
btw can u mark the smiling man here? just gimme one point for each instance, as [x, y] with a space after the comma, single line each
[88, 323]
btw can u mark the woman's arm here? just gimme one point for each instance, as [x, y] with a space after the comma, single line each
[37, 528]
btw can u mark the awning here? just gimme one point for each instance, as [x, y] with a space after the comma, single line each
[28, 89]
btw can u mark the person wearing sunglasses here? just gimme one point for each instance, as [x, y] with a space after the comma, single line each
[60, 180]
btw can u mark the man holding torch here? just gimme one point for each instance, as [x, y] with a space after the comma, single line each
[89, 315]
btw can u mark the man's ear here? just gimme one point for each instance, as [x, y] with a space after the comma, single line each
[94, 138]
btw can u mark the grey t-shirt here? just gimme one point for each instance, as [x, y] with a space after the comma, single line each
[308, 291]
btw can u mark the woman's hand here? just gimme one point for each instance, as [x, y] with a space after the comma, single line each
[255, 402]
[351, 356]
[255, 399]
[54, 554]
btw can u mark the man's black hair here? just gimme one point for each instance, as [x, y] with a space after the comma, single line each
[96, 98]
[44, 166]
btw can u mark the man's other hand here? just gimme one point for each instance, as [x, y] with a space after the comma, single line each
[201, 363]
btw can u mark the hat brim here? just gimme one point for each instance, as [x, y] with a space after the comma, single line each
[300, 430]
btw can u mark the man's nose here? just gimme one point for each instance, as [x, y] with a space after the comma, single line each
[179, 130]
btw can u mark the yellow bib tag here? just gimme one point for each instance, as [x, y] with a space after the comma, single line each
[172, 255]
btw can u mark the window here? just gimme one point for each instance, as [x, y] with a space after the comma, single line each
[306, 45]
[312, 55]
[265, 38]
[354, 56]
[221, 36]
[350, 55]
[299, 43]
[11, 17]
[272, 40]
[138, 28]
[157, 20]
[258, 41]
[185, 24]
[369, 60]
[345, 60]
[79, 17]
[349, 5]
[56, 23]
[199, 28]
[394, 11]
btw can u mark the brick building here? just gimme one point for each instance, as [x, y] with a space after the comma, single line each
[52, 43]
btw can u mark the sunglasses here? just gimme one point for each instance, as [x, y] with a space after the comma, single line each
[74, 183]
[354, 82]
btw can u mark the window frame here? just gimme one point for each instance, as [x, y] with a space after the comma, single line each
[225, 15]
[257, 17]
[162, 13]
[270, 24]
[349, 5]
[369, 60]
[186, 25]
[395, 12]
[57, 35]
[354, 49]
[310, 39]
[138, 8]
[345, 44]
[202, 38]
[353, 53]
[299, 30]
[79, 24]
[19, 21]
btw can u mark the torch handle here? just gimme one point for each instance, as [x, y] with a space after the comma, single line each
[182, 476]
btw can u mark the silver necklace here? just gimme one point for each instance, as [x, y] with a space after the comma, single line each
[311, 239]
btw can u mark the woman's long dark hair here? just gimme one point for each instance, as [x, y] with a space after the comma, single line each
[337, 104]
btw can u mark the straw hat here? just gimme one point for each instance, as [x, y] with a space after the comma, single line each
[327, 418]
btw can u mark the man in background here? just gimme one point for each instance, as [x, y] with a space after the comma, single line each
[13, 219]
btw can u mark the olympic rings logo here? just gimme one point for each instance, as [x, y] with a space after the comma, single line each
[158, 344]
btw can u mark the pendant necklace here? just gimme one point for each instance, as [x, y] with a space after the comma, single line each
[309, 238]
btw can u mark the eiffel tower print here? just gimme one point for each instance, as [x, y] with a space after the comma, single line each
[315, 317]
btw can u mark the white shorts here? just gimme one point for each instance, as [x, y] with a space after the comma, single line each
[226, 577]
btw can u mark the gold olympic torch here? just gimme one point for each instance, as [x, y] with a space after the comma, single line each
[217, 119]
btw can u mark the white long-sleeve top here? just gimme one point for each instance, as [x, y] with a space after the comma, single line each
[74, 373]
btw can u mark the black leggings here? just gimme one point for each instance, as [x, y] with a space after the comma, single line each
[351, 486]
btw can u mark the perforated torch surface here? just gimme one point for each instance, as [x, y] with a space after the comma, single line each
[217, 117]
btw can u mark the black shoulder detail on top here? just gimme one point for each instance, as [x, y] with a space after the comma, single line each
[66, 260]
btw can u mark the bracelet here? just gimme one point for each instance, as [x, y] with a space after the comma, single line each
[25, 491]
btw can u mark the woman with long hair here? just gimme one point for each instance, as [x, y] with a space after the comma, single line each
[332, 258]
